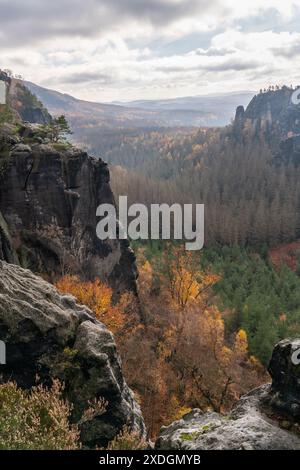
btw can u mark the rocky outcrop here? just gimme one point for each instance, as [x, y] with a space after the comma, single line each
[284, 369]
[274, 110]
[48, 335]
[266, 418]
[48, 199]
[34, 114]
[23, 103]
[4, 77]
[275, 116]
[239, 117]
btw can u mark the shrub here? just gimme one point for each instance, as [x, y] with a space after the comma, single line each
[35, 419]
[127, 440]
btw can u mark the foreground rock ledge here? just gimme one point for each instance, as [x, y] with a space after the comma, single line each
[49, 335]
[266, 418]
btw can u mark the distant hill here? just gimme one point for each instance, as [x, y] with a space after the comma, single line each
[220, 105]
[213, 110]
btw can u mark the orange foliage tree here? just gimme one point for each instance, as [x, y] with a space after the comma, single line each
[179, 357]
[175, 352]
[182, 277]
[98, 297]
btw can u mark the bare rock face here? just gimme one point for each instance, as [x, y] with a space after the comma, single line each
[48, 335]
[273, 111]
[275, 115]
[6, 249]
[265, 419]
[284, 369]
[48, 199]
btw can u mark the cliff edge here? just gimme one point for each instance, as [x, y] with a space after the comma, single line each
[48, 335]
[267, 418]
[49, 193]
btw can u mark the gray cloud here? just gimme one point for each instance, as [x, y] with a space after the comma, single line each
[24, 22]
[234, 64]
[87, 77]
[143, 47]
[270, 19]
[214, 52]
[289, 52]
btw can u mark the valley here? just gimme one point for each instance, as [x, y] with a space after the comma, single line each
[194, 329]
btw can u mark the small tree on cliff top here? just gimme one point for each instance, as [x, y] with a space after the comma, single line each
[59, 129]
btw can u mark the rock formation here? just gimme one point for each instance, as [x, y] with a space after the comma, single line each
[275, 116]
[48, 335]
[48, 199]
[266, 418]
[284, 369]
[274, 109]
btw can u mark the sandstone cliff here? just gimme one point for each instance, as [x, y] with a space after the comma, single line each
[275, 116]
[48, 199]
[48, 335]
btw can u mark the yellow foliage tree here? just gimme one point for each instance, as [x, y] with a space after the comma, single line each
[97, 296]
[184, 279]
[241, 342]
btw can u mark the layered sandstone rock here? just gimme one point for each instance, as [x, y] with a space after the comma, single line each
[265, 419]
[48, 335]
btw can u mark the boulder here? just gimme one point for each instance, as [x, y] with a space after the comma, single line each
[284, 369]
[49, 195]
[267, 418]
[49, 335]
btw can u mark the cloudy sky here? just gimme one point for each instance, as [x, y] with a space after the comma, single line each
[106, 50]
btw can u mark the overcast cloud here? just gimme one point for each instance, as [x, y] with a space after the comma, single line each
[105, 50]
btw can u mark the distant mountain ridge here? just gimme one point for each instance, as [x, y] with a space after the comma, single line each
[199, 111]
[223, 102]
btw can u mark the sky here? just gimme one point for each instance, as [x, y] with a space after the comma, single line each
[121, 50]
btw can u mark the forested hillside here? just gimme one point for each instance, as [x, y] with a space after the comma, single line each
[88, 118]
[149, 230]
[242, 174]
